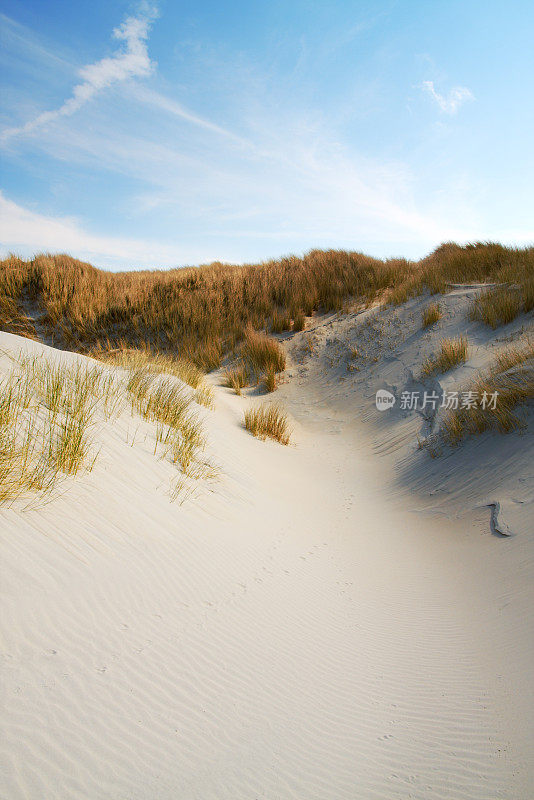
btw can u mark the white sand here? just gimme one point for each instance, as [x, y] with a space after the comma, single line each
[301, 631]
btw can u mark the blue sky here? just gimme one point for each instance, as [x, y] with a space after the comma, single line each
[157, 135]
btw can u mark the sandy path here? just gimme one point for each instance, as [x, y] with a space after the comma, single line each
[299, 635]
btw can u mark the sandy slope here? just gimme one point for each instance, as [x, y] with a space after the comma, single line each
[299, 632]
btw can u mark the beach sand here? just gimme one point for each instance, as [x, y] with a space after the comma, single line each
[307, 627]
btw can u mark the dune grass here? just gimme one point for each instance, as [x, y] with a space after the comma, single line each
[512, 376]
[497, 306]
[451, 353]
[144, 357]
[70, 445]
[236, 377]
[431, 315]
[281, 321]
[268, 421]
[269, 380]
[528, 294]
[202, 313]
[262, 353]
[160, 400]
[180, 435]
[48, 412]
[12, 319]
[204, 396]
[46, 419]
[299, 321]
[155, 396]
[161, 363]
[263, 356]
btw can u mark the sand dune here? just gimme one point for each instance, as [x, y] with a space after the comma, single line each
[307, 627]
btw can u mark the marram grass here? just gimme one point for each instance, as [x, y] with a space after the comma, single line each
[497, 306]
[46, 418]
[236, 377]
[431, 315]
[203, 313]
[511, 375]
[452, 352]
[48, 414]
[268, 421]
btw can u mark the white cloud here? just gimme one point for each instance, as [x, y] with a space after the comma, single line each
[131, 62]
[26, 232]
[283, 176]
[159, 101]
[451, 102]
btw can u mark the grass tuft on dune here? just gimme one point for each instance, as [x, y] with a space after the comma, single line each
[263, 353]
[511, 376]
[46, 418]
[431, 315]
[497, 306]
[451, 353]
[236, 377]
[268, 421]
[48, 414]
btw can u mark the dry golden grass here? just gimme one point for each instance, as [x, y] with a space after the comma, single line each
[512, 376]
[270, 380]
[400, 294]
[131, 359]
[201, 313]
[161, 363]
[236, 377]
[498, 306]
[268, 421]
[161, 400]
[451, 353]
[188, 372]
[528, 294]
[204, 396]
[262, 353]
[299, 321]
[281, 321]
[11, 319]
[431, 315]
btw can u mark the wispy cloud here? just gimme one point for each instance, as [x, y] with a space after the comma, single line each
[169, 106]
[451, 102]
[130, 62]
[20, 39]
[26, 232]
[269, 169]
